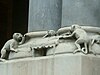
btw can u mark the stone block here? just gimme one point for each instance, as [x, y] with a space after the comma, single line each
[62, 64]
[82, 12]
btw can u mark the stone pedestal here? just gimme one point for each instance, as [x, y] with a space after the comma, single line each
[44, 15]
[62, 64]
[82, 12]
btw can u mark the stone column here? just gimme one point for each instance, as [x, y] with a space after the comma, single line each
[44, 14]
[83, 12]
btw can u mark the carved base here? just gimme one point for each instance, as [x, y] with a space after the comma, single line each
[62, 64]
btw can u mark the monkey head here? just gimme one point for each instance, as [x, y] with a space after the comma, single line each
[51, 32]
[74, 26]
[18, 37]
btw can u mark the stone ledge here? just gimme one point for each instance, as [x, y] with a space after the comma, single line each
[62, 64]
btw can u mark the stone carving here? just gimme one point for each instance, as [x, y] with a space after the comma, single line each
[45, 40]
[50, 33]
[84, 39]
[95, 39]
[81, 37]
[11, 45]
[95, 45]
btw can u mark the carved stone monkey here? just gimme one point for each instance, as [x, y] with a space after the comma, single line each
[81, 38]
[11, 45]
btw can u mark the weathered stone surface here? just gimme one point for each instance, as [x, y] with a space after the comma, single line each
[22, 53]
[83, 12]
[66, 47]
[44, 15]
[44, 43]
[63, 64]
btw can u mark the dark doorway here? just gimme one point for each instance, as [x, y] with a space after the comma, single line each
[13, 18]
[20, 15]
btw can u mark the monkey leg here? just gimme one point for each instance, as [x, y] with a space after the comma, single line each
[78, 46]
[85, 49]
[75, 51]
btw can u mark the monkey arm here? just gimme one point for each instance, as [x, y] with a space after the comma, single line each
[13, 46]
[45, 35]
[70, 35]
[65, 37]
[92, 41]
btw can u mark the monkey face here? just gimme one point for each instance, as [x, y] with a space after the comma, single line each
[51, 32]
[18, 37]
[74, 26]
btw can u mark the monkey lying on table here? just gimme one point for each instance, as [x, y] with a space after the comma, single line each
[11, 45]
[81, 37]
